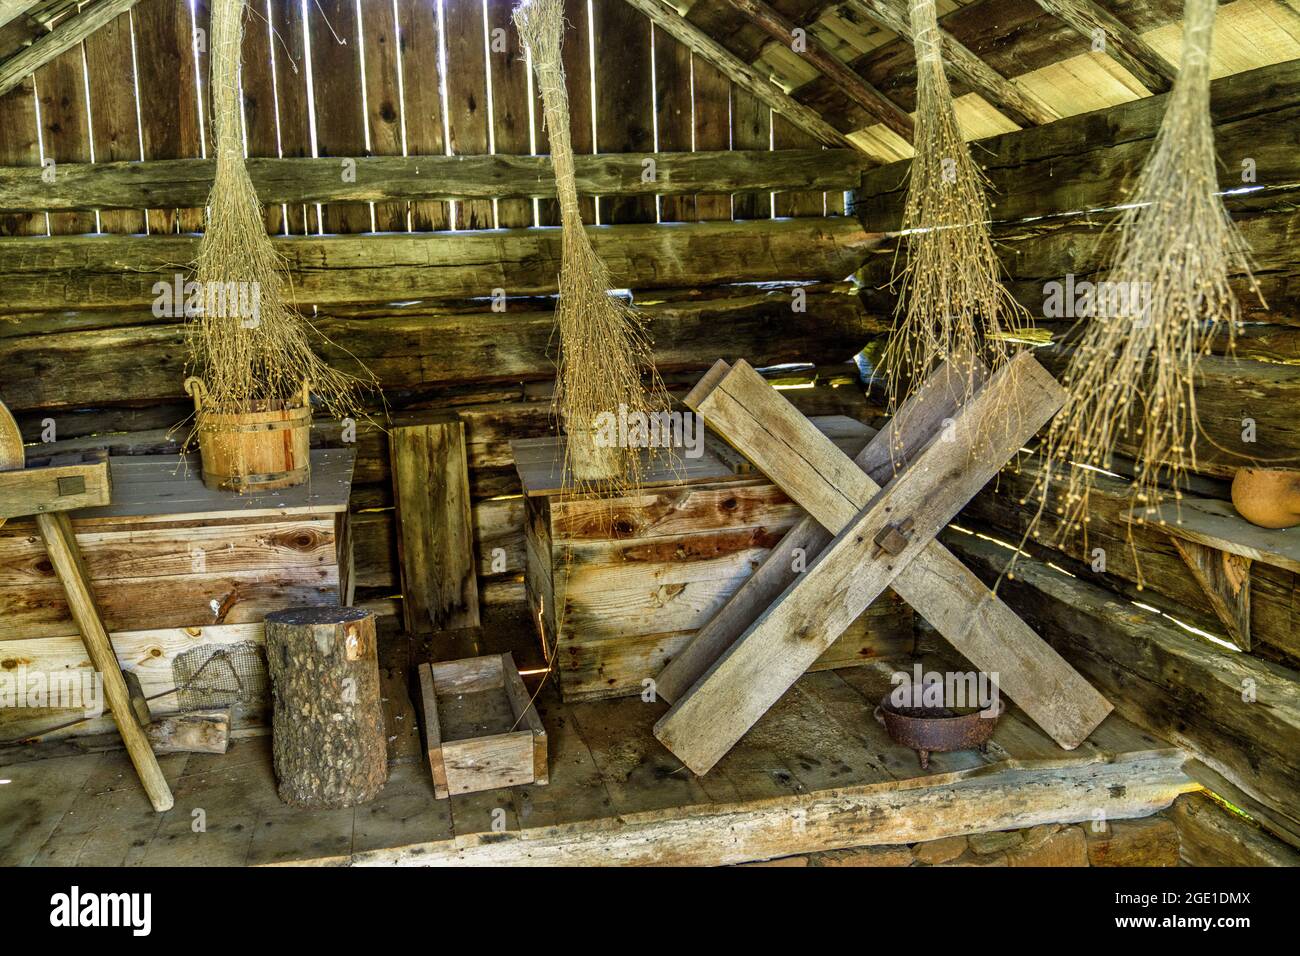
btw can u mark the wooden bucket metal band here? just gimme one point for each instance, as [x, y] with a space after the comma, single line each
[234, 481]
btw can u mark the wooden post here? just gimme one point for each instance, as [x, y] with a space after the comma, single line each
[328, 724]
[435, 541]
[61, 544]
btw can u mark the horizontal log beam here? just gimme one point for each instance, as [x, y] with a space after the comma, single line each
[1092, 161]
[62, 272]
[186, 182]
[135, 362]
[1175, 685]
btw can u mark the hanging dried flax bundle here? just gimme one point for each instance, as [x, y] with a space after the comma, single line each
[1132, 373]
[604, 347]
[951, 298]
[251, 349]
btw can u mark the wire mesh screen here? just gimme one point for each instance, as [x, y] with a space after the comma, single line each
[220, 675]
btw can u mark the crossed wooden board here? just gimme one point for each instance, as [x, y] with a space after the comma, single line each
[860, 538]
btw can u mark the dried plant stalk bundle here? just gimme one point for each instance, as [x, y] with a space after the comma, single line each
[951, 298]
[605, 349]
[1133, 369]
[250, 347]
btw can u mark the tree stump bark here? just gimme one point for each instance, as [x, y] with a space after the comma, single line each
[328, 724]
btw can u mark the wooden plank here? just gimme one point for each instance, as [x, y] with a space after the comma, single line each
[1225, 579]
[336, 82]
[71, 272]
[391, 178]
[1210, 834]
[67, 34]
[435, 544]
[924, 411]
[1121, 43]
[803, 203]
[625, 99]
[171, 126]
[751, 129]
[56, 530]
[674, 117]
[526, 716]
[781, 29]
[292, 106]
[257, 100]
[31, 491]
[417, 23]
[511, 104]
[1216, 524]
[65, 127]
[995, 639]
[960, 63]
[20, 146]
[1235, 712]
[711, 105]
[851, 572]
[575, 55]
[740, 73]
[1092, 161]
[114, 128]
[467, 98]
[384, 100]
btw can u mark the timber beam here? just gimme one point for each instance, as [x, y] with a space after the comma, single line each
[1122, 44]
[67, 34]
[784, 31]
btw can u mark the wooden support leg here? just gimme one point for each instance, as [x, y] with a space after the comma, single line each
[61, 544]
[909, 430]
[1225, 579]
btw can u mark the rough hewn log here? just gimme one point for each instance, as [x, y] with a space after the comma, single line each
[62, 272]
[1212, 835]
[328, 734]
[1092, 160]
[128, 361]
[782, 30]
[186, 182]
[1121, 43]
[960, 63]
[742, 74]
[1239, 715]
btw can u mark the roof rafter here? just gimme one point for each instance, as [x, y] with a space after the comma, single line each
[961, 63]
[68, 33]
[781, 29]
[742, 74]
[1121, 43]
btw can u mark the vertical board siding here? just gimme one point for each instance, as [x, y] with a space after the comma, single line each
[467, 96]
[508, 69]
[257, 89]
[383, 99]
[336, 78]
[65, 127]
[115, 131]
[674, 120]
[712, 99]
[785, 135]
[751, 124]
[417, 22]
[624, 98]
[575, 53]
[20, 146]
[169, 104]
[289, 51]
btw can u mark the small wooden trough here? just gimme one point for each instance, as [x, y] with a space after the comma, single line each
[483, 730]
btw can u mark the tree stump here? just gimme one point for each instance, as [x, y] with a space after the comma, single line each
[328, 725]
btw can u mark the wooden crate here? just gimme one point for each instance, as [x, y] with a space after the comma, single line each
[176, 569]
[481, 727]
[617, 585]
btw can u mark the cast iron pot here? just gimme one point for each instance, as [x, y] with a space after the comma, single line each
[930, 730]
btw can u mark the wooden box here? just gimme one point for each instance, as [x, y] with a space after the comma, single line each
[618, 584]
[181, 574]
[481, 727]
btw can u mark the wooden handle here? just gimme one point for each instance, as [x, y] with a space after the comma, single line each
[61, 544]
[194, 387]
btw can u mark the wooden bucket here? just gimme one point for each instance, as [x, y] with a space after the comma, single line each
[264, 448]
